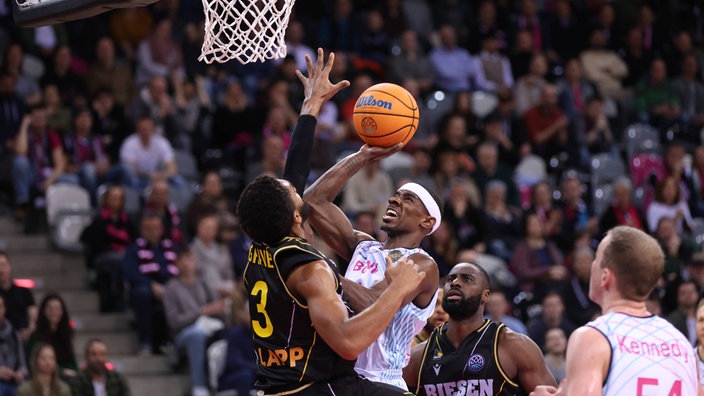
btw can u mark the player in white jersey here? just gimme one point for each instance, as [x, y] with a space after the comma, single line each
[627, 350]
[412, 214]
[699, 349]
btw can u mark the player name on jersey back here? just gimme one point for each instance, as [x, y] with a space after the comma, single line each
[469, 387]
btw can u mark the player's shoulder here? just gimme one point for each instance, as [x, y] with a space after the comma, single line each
[513, 342]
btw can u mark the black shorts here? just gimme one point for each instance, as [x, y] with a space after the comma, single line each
[347, 385]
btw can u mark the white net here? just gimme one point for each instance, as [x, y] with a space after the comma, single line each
[246, 30]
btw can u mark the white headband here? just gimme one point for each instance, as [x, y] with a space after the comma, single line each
[430, 205]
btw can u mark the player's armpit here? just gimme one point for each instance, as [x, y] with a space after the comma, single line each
[429, 286]
[588, 358]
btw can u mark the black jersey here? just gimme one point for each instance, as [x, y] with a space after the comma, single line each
[473, 369]
[290, 353]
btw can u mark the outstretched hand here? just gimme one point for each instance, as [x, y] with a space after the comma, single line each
[377, 153]
[317, 86]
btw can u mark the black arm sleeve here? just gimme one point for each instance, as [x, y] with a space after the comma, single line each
[299, 152]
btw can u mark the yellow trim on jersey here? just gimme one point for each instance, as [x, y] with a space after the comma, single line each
[310, 352]
[291, 392]
[496, 356]
[279, 273]
[422, 361]
[481, 328]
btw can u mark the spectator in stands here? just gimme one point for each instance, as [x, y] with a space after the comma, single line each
[410, 63]
[567, 33]
[606, 22]
[338, 32]
[54, 328]
[602, 66]
[635, 56]
[681, 49]
[577, 218]
[21, 309]
[592, 130]
[690, 92]
[214, 261]
[86, 158]
[96, 378]
[529, 20]
[295, 33]
[367, 190]
[622, 211]
[466, 218]
[148, 155]
[190, 303]
[578, 307]
[419, 171]
[675, 167]
[574, 90]
[656, 100]
[60, 116]
[457, 133]
[438, 317]
[528, 90]
[684, 317]
[552, 315]
[210, 199]
[652, 34]
[375, 42]
[105, 241]
[546, 125]
[503, 221]
[147, 265]
[487, 21]
[493, 68]
[697, 177]
[234, 125]
[110, 123]
[13, 366]
[504, 127]
[541, 203]
[109, 72]
[45, 379]
[154, 101]
[537, 262]
[71, 86]
[499, 309]
[13, 111]
[193, 110]
[39, 157]
[26, 87]
[442, 247]
[678, 249]
[158, 54]
[555, 348]
[489, 169]
[522, 53]
[668, 203]
[272, 161]
[158, 202]
[453, 68]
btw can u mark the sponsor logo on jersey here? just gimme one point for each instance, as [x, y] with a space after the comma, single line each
[280, 357]
[470, 387]
[436, 368]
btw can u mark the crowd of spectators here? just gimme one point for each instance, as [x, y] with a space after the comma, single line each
[112, 104]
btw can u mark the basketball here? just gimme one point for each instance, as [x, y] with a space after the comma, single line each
[385, 114]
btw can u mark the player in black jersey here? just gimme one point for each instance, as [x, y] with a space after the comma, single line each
[470, 355]
[305, 340]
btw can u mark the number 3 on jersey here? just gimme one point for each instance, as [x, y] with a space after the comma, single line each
[647, 385]
[262, 327]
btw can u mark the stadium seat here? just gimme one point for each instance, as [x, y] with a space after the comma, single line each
[186, 165]
[181, 197]
[68, 212]
[606, 168]
[644, 166]
[217, 352]
[602, 196]
[132, 198]
[641, 138]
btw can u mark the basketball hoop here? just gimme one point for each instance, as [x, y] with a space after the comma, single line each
[246, 30]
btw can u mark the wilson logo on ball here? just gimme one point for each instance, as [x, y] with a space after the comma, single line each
[368, 124]
[370, 101]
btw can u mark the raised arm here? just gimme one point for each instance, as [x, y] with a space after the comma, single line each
[326, 218]
[317, 89]
[348, 337]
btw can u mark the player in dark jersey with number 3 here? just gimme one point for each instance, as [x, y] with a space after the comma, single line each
[470, 355]
[305, 341]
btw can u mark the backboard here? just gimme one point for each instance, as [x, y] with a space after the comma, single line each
[35, 13]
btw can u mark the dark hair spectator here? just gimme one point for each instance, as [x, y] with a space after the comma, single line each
[54, 327]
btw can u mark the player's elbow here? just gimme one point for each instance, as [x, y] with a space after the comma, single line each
[348, 349]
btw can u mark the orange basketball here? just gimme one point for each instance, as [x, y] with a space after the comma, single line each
[385, 114]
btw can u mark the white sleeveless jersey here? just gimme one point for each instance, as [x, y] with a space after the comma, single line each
[649, 357]
[384, 359]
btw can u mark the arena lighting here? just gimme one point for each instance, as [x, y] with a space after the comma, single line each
[27, 283]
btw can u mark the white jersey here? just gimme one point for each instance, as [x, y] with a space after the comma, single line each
[384, 359]
[649, 357]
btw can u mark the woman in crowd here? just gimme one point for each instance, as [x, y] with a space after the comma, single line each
[214, 260]
[54, 328]
[668, 203]
[45, 378]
